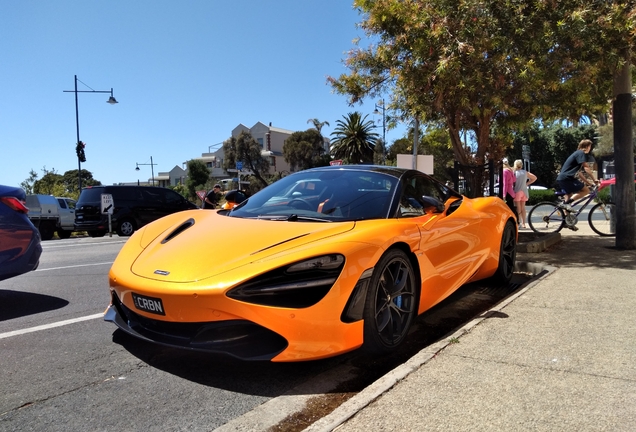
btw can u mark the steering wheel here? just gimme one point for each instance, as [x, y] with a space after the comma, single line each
[300, 204]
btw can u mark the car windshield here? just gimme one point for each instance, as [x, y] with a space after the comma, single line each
[329, 196]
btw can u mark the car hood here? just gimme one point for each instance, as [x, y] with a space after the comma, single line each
[212, 244]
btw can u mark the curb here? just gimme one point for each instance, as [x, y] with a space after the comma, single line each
[537, 246]
[357, 403]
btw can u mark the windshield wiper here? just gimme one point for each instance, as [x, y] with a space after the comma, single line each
[290, 218]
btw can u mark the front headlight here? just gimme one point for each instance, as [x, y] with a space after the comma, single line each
[297, 285]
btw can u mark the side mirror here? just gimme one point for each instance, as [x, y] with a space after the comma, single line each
[432, 204]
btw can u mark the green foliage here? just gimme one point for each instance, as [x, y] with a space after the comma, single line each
[354, 139]
[537, 196]
[182, 189]
[70, 180]
[304, 149]
[246, 149]
[198, 176]
[550, 145]
[27, 184]
[488, 65]
[51, 183]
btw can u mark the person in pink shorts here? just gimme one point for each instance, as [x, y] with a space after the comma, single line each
[523, 179]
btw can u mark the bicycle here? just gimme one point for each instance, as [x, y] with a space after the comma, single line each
[548, 217]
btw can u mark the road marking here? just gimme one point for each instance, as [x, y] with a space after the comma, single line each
[50, 326]
[69, 245]
[75, 266]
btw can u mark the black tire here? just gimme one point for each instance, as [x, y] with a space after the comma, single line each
[126, 228]
[507, 254]
[391, 304]
[600, 219]
[96, 233]
[546, 218]
[47, 231]
[63, 234]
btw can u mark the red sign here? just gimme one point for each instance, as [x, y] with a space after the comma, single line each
[336, 162]
[201, 195]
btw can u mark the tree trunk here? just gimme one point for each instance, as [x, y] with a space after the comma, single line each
[624, 158]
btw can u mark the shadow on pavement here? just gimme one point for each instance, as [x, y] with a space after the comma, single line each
[15, 304]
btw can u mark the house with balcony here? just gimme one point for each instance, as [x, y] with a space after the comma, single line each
[271, 140]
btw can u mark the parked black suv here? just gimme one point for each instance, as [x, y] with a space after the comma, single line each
[135, 206]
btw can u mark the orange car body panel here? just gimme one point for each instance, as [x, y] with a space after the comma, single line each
[203, 266]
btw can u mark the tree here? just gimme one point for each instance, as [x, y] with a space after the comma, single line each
[198, 176]
[47, 184]
[69, 179]
[318, 124]
[488, 65]
[354, 139]
[27, 184]
[305, 149]
[247, 150]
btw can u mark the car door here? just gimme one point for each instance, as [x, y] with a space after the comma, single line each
[447, 242]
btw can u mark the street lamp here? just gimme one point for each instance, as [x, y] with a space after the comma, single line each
[111, 100]
[377, 111]
[152, 169]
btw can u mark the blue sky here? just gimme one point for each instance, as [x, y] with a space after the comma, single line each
[185, 74]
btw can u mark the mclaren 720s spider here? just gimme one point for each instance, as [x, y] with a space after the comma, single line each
[319, 263]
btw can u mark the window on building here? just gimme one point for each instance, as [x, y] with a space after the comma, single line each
[260, 142]
[272, 161]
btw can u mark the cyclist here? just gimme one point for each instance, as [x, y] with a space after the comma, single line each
[572, 176]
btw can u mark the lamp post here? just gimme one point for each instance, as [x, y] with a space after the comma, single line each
[111, 100]
[377, 111]
[152, 169]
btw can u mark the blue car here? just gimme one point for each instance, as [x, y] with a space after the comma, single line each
[20, 247]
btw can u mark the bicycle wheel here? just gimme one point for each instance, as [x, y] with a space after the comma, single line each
[602, 219]
[545, 218]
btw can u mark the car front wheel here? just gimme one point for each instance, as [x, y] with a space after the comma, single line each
[126, 228]
[391, 303]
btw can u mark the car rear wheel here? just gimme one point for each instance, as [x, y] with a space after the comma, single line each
[126, 228]
[391, 303]
[507, 254]
[63, 234]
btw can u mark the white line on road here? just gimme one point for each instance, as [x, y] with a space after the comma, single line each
[50, 326]
[75, 266]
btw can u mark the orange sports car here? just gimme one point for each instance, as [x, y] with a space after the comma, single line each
[321, 262]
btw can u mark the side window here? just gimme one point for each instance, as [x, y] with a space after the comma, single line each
[426, 187]
[152, 195]
[71, 204]
[172, 197]
[62, 203]
[410, 205]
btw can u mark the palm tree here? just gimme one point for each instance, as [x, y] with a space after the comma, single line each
[317, 123]
[354, 139]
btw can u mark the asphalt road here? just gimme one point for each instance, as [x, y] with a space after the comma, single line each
[65, 369]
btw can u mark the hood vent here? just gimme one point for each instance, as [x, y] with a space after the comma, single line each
[181, 228]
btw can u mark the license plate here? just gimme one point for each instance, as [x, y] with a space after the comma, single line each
[148, 304]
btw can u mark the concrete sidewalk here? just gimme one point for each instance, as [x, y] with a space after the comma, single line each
[560, 355]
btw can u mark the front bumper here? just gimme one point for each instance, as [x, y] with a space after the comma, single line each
[238, 338]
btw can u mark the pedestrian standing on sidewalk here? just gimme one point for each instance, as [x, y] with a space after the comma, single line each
[509, 186]
[523, 179]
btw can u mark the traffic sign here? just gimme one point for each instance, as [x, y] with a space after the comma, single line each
[201, 194]
[108, 204]
[336, 162]
[239, 165]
